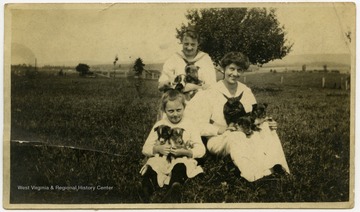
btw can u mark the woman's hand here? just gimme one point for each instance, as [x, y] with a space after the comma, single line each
[222, 129]
[272, 123]
[181, 152]
[164, 85]
[162, 149]
[191, 87]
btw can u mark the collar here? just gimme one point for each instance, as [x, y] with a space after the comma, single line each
[220, 86]
[198, 56]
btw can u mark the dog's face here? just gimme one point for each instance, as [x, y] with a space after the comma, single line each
[259, 110]
[192, 74]
[177, 137]
[233, 109]
[164, 133]
[192, 70]
[179, 82]
[245, 124]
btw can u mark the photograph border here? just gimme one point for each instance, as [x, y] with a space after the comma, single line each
[292, 205]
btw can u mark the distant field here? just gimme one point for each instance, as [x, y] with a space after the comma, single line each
[90, 132]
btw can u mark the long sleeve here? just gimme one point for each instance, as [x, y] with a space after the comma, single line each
[167, 71]
[199, 109]
[198, 149]
[208, 72]
[147, 149]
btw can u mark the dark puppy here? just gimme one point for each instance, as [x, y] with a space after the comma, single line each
[259, 110]
[233, 110]
[258, 114]
[164, 134]
[244, 124]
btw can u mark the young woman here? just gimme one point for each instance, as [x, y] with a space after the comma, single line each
[190, 53]
[257, 155]
[159, 170]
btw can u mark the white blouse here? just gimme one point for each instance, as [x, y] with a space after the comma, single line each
[175, 66]
[208, 105]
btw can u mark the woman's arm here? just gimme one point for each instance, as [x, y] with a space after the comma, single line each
[208, 73]
[166, 74]
[199, 110]
[149, 149]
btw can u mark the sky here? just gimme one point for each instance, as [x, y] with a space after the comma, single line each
[97, 33]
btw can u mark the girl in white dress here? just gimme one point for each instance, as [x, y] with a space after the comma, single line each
[257, 155]
[159, 170]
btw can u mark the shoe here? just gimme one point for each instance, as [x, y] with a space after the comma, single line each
[278, 170]
[174, 194]
[147, 190]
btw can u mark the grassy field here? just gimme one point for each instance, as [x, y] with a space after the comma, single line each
[90, 131]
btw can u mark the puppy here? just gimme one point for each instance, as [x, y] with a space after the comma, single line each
[259, 110]
[244, 124]
[179, 82]
[233, 110]
[164, 134]
[192, 75]
[176, 140]
[258, 114]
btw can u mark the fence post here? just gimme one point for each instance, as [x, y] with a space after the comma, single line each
[323, 82]
[341, 83]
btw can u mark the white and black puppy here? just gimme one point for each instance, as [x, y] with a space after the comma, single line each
[164, 134]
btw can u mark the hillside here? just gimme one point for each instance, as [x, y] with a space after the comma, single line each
[312, 60]
[126, 66]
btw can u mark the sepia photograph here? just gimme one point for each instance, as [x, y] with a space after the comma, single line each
[179, 105]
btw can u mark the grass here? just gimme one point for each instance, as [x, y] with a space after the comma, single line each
[91, 131]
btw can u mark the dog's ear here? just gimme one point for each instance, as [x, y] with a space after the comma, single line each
[156, 128]
[254, 107]
[177, 79]
[226, 97]
[239, 97]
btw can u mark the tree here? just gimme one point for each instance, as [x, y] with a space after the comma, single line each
[83, 69]
[138, 66]
[256, 32]
[325, 68]
[303, 67]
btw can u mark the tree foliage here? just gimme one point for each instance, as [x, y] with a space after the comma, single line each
[83, 69]
[254, 31]
[138, 66]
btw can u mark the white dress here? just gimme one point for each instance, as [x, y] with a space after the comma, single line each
[161, 165]
[254, 155]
